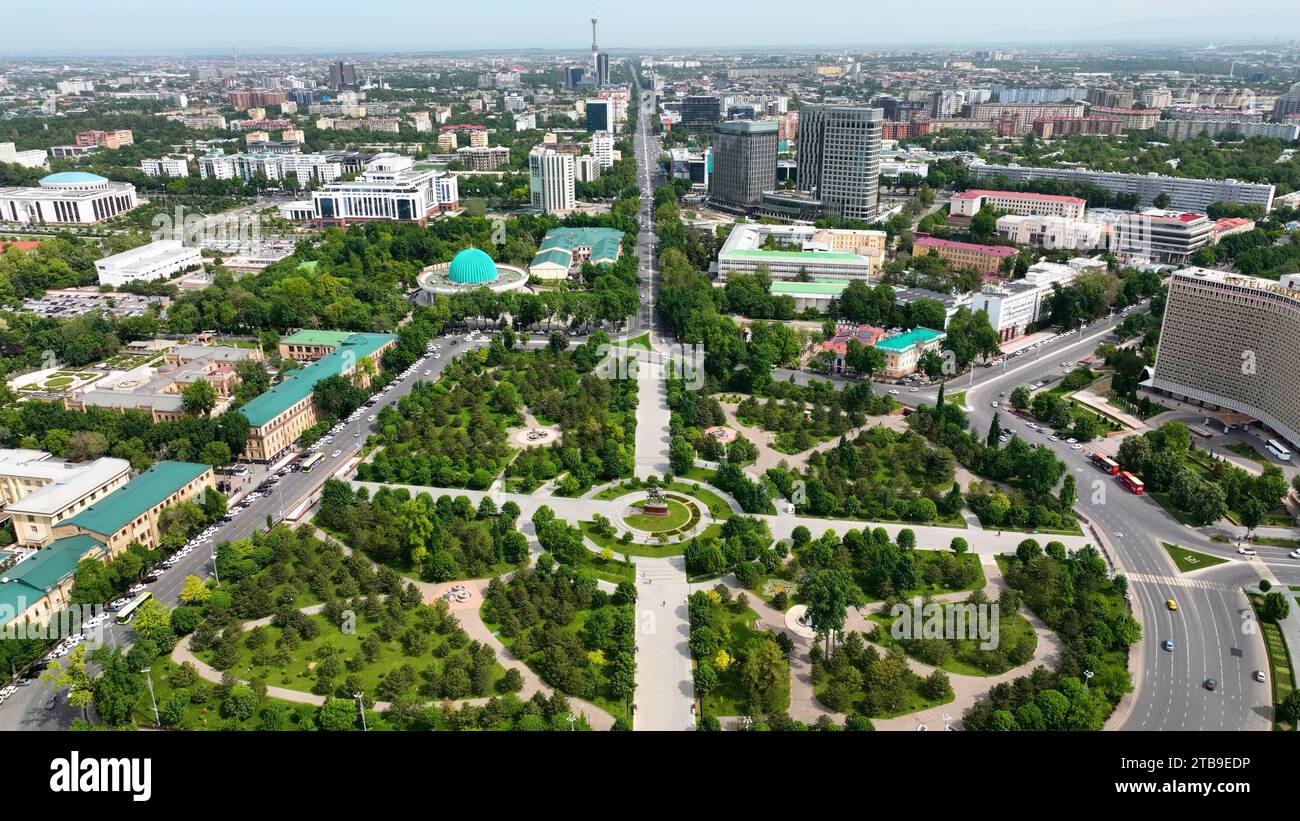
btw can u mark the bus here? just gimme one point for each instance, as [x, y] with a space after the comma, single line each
[312, 461]
[1132, 482]
[1106, 463]
[1275, 447]
[128, 612]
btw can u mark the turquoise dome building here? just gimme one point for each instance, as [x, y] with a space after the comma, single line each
[472, 267]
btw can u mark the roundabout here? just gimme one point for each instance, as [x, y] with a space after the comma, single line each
[676, 515]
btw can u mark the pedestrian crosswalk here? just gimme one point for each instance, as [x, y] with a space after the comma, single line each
[1177, 581]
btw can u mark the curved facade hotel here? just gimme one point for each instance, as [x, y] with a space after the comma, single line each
[1229, 341]
[68, 198]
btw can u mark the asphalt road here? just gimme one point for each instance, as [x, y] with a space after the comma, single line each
[25, 709]
[1207, 630]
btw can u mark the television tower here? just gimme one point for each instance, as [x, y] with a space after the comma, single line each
[595, 65]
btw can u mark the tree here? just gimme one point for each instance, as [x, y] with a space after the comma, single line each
[193, 591]
[338, 714]
[1276, 607]
[1252, 513]
[1069, 493]
[829, 593]
[765, 676]
[1020, 398]
[681, 456]
[995, 430]
[198, 397]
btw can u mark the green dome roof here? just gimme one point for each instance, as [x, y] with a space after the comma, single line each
[472, 267]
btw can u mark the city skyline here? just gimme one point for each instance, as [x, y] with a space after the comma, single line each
[676, 24]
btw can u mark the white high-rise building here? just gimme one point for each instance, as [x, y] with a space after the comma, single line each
[166, 167]
[550, 180]
[602, 148]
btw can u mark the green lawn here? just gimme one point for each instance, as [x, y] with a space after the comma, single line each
[1243, 449]
[678, 515]
[641, 341]
[1189, 560]
[672, 548]
[965, 651]
[1282, 673]
[204, 715]
[717, 506]
[729, 697]
[298, 672]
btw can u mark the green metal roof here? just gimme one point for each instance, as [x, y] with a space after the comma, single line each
[31, 579]
[124, 505]
[828, 288]
[311, 337]
[554, 255]
[916, 336]
[472, 267]
[604, 243]
[298, 384]
[796, 256]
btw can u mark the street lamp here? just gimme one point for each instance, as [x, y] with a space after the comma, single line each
[361, 708]
[149, 678]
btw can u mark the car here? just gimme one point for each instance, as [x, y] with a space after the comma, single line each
[1053, 438]
[437, 356]
[1210, 684]
[1002, 438]
[1259, 676]
[335, 454]
[1246, 551]
[913, 390]
[993, 404]
[1171, 604]
[1295, 554]
[1065, 364]
[1071, 441]
[1076, 447]
[370, 418]
[426, 373]
[51, 702]
[1168, 644]
[135, 588]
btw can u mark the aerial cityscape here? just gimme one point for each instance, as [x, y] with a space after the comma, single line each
[597, 378]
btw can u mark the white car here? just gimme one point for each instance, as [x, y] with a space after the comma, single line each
[1247, 551]
[370, 418]
[426, 373]
[913, 390]
[437, 356]
[135, 588]
[993, 404]
[336, 454]
[893, 392]
[1295, 554]
[1071, 441]
[1076, 447]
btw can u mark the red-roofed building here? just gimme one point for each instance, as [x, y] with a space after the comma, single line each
[1228, 226]
[966, 204]
[866, 335]
[986, 259]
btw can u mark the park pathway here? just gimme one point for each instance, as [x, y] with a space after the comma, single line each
[665, 689]
[652, 414]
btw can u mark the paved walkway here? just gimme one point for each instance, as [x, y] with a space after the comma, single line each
[984, 542]
[471, 620]
[967, 690]
[665, 690]
[652, 414]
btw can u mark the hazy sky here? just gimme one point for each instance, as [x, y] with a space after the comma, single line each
[155, 26]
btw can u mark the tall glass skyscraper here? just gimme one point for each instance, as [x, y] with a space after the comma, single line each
[839, 158]
[744, 163]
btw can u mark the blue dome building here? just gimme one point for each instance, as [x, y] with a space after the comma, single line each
[472, 267]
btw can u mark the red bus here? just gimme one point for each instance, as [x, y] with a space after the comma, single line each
[1106, 463]
[1132, 482]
